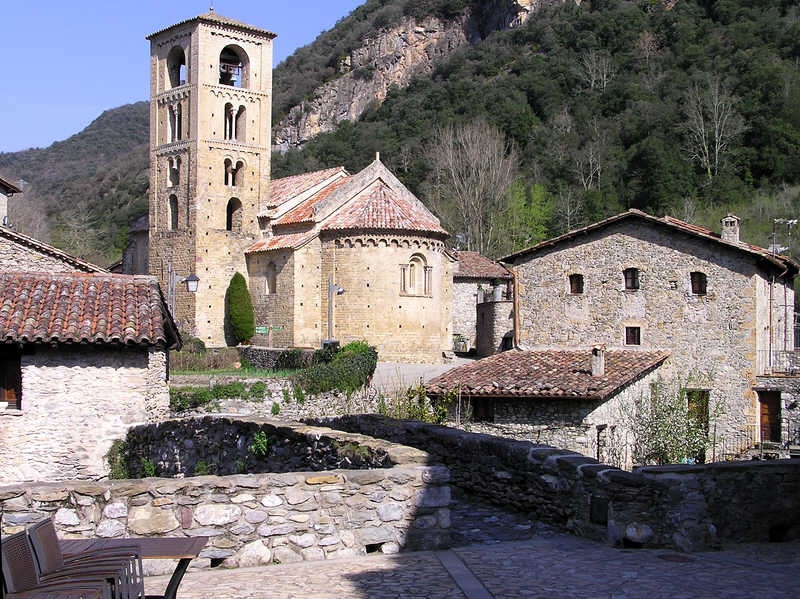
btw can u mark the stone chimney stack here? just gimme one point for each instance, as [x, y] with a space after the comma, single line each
[730, 228]
[599, 360]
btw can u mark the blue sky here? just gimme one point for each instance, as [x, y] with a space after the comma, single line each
[67, 61]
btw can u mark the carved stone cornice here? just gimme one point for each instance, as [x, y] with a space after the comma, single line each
[173, 94]
[234, 146]
[384, 239]
[172, 148]
[173, 38]
[229, 91]
[236, 35]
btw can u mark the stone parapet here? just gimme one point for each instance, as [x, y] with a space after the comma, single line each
[254, 519]
[687, 507]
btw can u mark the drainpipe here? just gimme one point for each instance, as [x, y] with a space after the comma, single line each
[515, 305]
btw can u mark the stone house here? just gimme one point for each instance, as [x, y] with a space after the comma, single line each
[569, 398]
[365, 234]
[722, 308]
[19, 252]
[479, 280]
[84, 357]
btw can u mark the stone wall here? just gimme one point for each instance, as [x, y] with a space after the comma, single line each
[687, 507]
[267, 357]
[15, 256]
[256, 519]
[465, 293]
[712, 338]
[495, 320]
[75, 402]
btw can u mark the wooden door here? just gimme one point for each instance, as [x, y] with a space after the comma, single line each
[770, 415]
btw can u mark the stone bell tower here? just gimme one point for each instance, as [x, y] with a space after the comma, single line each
[210, 115]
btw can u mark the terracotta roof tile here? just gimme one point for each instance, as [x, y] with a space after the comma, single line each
[782, 262]
[549, 374]
[280, 242]
[84, 308]
[9, 186]
[304, 212]
[381, 208]
[284, 189]
[217, 19]
[472, 265]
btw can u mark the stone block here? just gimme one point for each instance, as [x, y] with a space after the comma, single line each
[147, 520]
[254, 553]
[219, 514]
[110, 528]
[304, 540]
[67, 517]
[390, 512]
[285, 555]
[242, 498]
[373, 535]
[50, 495]
[271, 501]
[322, 480]
[270, 530]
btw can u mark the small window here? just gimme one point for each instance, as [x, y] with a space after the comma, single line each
[416, 277]
[229, 125]
[482, 409]
[631, 278]
[272, 277]
[173, 213]
[576, 284]
[174, 166]
[176, 66]
[233, 217]
[633, 336]
[699, 282]
[11, 378]
[240, 125]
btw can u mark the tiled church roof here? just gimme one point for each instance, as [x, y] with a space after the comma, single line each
[305, 211]
[216, 19]
[548, 374]
[281, 242]
[284, 189]
[381, 208]
[84, 308]
[472, 265]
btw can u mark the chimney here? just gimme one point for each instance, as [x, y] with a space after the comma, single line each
[599, 360]
[730, 228]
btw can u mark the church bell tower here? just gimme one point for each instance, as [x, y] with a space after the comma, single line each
[210, 136]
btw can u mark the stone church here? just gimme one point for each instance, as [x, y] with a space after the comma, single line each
[362, 239]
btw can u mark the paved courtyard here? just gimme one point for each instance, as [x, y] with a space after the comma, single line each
[553, 565]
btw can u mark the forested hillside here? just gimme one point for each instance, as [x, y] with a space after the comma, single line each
[80, 193]
[688, 108]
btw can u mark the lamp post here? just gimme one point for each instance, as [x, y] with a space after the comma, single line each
[333, 290]
[173, 280]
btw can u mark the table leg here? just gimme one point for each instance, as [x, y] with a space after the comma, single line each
[174, 582]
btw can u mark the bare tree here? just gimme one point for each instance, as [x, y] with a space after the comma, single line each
[589, 159]
[569, 209]
[473, 167]
[26, 216]
[712, 124]
[595, 69]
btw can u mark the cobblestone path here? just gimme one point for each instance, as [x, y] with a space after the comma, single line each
[551, 565]
[476, 521]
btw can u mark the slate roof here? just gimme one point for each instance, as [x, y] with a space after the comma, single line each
[472, 265]
[101, 309]
[44, 248]
[285, 188]
[216, 19]
[548, 374]
[9, 186]
[281, 242]
[782, 262]
[304, 212]
[381, 208]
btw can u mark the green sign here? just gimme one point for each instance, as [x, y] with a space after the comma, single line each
[261, 330]
[277, 327]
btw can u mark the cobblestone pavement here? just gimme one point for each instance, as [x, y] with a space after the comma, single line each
[554, 565]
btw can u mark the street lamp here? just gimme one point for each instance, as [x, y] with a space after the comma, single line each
[173, 280]
[191, 282]
[333, 289]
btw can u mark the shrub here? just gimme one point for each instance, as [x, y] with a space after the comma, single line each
[290, 359]
[230, 391]
[287, 397]
[257, 391]
[148, 468]
[326, 354]
[260, 445]
[203, 468]
[240, 309]
[118, 460]
[276, 409]
[193, 345]
[349, 370]
[298, 394]
[188, 398]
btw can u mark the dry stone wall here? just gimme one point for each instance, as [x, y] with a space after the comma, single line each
[495, 321]
[686, 507]
[256, 519]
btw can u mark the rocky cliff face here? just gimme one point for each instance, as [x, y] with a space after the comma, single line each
[392, 57]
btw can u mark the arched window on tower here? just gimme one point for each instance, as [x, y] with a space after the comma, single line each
[415, 277]
[176, 67]
[234, 67]
[230, 123]
[174, 167]
[240, 126]
[173, 212]
[233, 220]
[237, 174]
[272, 278]
[228, 177]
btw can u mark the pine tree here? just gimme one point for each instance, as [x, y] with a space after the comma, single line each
[240, 309]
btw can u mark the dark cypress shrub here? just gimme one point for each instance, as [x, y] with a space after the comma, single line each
[240, 309]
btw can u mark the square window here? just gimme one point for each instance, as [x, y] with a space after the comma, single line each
[631, 278]
[633, 336]
[699, 283]
[576, 284]
[11, 378]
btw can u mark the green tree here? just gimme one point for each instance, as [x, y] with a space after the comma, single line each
[240, 309]
[530, 212]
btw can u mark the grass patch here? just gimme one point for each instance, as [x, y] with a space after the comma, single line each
[244, 371]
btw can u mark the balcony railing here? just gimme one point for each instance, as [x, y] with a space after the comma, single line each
[780, 362]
